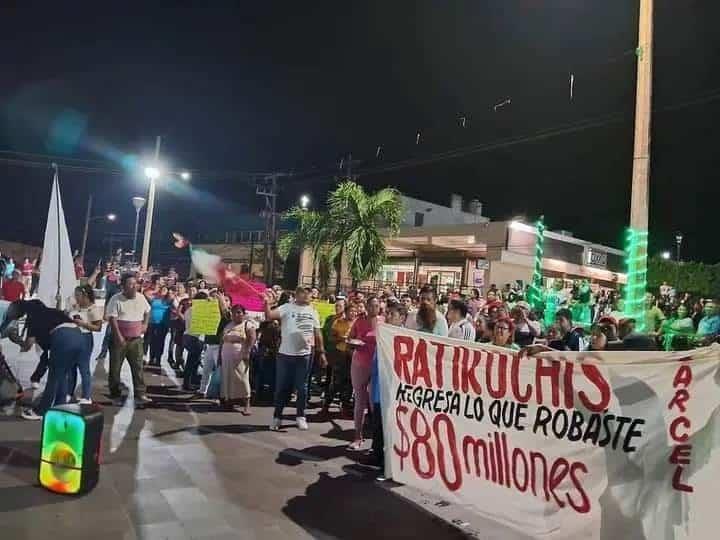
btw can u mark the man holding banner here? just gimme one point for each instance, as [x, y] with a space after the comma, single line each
[566, 445]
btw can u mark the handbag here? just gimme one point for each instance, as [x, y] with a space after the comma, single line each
[214, 384]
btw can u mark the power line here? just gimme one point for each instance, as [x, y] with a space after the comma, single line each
[546, 133]
[43, 161]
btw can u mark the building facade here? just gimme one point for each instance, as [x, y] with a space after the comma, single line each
[455, 249]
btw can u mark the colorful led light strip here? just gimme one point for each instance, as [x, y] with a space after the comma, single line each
[636, 243]
[535, 296]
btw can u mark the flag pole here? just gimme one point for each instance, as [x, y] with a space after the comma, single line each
[56, 187]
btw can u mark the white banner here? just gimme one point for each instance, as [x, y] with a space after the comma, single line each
[607, 446]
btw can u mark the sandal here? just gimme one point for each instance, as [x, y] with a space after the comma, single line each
[356, 446]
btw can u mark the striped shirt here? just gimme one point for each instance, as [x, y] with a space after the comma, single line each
[129, 313]
[463, 329]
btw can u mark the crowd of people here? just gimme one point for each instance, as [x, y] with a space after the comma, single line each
[287, 350]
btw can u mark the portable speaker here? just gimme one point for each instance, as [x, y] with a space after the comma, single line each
[70, 451]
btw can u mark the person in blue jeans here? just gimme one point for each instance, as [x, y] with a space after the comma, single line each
[300, 332]
[395, 315]
[54, 331]
[159, 324]
[89, 318]
[194, 346]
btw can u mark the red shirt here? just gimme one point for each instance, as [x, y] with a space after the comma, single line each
[79, 270]
[363, 330]
[27, 269]
[12, 290]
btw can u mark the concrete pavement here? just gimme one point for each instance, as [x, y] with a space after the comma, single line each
[184, 469]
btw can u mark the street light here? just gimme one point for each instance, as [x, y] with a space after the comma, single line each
[304, 202]
[185, 175]
[88, 219]
[152, 173]
[678, 242]
[665, 255]
[138, 203]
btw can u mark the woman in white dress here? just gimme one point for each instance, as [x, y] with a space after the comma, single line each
[237, 341]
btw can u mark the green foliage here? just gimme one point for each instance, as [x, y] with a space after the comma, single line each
[357, 218]
[694, 277]
[349, 228]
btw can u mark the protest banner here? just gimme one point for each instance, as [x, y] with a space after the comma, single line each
[608, 446]
[205, 317]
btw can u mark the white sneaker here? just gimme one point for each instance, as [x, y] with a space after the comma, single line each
[29, 414]
[84, 401]
[275, 424]
[35, 385]
[142, 401]
[302, 423]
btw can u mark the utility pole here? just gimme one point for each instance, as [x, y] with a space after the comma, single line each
[643, 102]
[348, 167]
[637, 234]
[268, 188]
[85, 232]
[150, 210]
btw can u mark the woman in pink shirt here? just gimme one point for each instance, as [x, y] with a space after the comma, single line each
[363, 338]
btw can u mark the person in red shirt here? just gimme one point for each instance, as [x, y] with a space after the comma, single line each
[13, 289]
[27, 270]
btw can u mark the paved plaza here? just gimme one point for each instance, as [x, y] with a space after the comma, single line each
[184, 469]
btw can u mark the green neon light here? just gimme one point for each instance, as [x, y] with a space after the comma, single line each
[636, 243]
[535, 297]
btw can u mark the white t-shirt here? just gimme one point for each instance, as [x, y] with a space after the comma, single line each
[129, 313]
[297, 329]
[88, 314]
[462, 329]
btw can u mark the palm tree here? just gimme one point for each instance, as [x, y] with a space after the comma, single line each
[356, 218]
[313, 231]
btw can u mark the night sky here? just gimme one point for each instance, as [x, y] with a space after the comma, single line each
[293, 86]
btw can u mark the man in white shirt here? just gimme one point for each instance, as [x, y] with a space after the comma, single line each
[460, 326]
[423, 320]
[128, 313]
[300, 332]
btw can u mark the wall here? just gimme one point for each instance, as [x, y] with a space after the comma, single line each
[501, 273]
[435, 214]
[18, 251]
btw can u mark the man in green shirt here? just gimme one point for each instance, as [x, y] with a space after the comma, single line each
[331, 349]
[654, 316]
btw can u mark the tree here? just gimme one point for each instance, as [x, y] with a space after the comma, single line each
[693, 277]
[313, 231]
[356, 218]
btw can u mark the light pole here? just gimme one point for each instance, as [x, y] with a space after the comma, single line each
[678, 243]
[138, 203]
[152, 174]
[88, 219]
